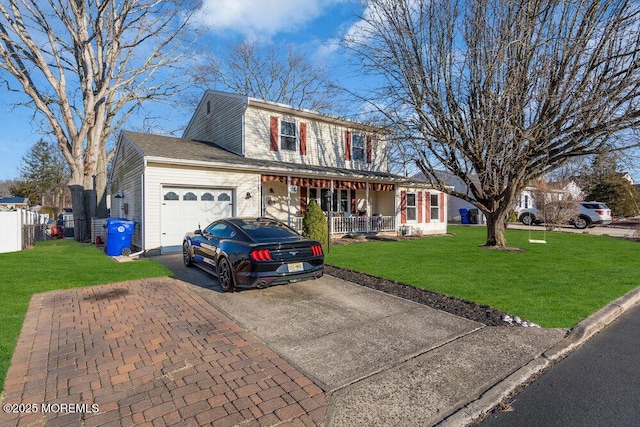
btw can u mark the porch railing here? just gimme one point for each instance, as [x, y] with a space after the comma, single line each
[354, 224]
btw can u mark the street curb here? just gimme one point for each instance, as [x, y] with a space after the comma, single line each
[581, 333]
[590, 326]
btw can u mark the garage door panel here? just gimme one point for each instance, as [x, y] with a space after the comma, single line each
[184, 209]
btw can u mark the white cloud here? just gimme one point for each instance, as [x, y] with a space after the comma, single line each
[261, 18]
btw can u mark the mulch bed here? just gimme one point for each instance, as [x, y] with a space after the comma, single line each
[467, 309]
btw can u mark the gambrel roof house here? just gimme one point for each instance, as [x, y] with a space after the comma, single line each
[241, 156]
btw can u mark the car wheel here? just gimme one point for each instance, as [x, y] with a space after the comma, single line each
[581, 223]
[528, 219]
[186, 255]
[225, 275]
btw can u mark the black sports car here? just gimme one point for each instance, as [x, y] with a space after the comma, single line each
[253, 252]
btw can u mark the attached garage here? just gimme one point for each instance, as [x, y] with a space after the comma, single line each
[186, 209]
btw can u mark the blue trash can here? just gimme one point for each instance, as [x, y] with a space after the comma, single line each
[464, 216]
[118, 236]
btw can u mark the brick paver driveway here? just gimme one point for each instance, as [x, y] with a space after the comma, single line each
[148, 352]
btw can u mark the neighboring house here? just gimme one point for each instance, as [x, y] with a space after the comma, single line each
[14, 203]
[454, 203]
[240, 156]
[562, 189]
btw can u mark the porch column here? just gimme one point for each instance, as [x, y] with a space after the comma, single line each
[289, 200]
[330, 208]
[367, 207]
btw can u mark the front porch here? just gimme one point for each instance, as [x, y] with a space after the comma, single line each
[344, 203]
[356, 207]
[340, 224]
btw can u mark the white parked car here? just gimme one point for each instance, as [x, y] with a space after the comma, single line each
[591, 214]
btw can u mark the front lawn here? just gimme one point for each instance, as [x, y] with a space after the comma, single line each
[52, 265]
[554, 285]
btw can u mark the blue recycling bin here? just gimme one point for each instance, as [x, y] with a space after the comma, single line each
[118, 236]
[464, 216]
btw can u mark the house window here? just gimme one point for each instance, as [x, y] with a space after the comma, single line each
[171, 196]
[207, 197]
[435, 207]
[339, 200]
[358, 147]
[411, 207]
[288, 135]
[189, 196]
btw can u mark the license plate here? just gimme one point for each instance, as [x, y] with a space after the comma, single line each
[296, 266]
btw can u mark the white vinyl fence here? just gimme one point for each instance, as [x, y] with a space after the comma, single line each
[20, 229]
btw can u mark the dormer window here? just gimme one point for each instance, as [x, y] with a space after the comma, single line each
[288, 135]
[358, 147]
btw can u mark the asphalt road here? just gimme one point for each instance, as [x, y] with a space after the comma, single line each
[598, 385]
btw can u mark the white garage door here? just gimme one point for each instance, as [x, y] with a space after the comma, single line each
[184, 209]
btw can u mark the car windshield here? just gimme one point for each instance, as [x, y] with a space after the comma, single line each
[266, 230]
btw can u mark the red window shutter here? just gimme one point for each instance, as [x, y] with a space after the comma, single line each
[403, 207]
[303, 200]
[441, 207]
[274, 134]
[303, 138]
[419, 206]
[347, 145]
[369, 149]
[427, 203]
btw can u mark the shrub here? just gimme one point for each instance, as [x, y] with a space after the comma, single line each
[314, 223]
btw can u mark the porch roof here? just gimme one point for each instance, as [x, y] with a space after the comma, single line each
[173, 150]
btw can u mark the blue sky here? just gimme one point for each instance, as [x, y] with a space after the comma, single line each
[312, 25]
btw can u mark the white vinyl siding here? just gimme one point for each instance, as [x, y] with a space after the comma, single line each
[324, 142]
[126, 178]
[222, 126]
[158, 176]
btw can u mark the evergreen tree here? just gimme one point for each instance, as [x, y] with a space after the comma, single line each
[603, 182]
[43, 172]
[314, 223]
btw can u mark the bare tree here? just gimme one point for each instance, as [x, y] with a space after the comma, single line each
[501, 92]
[271, 72]
[86, 66]
[556, 206]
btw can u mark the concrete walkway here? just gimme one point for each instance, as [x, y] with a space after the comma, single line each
[325, 352]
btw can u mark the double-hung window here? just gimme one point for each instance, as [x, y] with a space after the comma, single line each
[412, 210]
[288, 135]
[358, 147]
[435, 207]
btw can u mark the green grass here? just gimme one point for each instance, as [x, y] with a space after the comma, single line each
[556, 284]
[52, 265]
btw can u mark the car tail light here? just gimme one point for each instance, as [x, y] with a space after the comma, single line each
[316, 250]
[260, 255]
[600, 212]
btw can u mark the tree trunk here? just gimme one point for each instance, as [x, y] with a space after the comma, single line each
[80, 223]
[496, 226]
[101, 187]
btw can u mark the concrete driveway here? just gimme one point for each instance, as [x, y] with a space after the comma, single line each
[383, 360]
